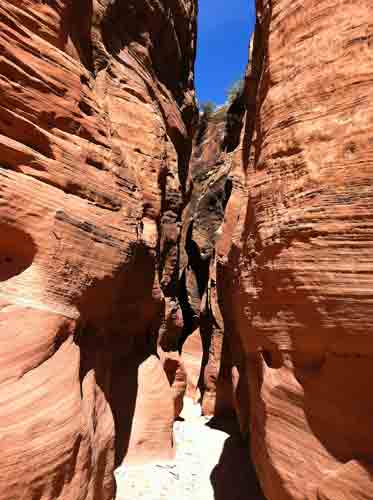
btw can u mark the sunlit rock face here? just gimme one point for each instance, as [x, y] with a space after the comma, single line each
[295, 260]
[96, 113]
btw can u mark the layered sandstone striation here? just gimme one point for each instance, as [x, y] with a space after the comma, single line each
[295, 260]
[114, 259]
[96, 116]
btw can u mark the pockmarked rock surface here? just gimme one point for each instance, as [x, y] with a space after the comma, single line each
[295, 260]
[96, 115]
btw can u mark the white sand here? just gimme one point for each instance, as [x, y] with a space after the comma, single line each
[198, 449]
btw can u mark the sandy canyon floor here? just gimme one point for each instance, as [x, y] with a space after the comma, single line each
[211, 464]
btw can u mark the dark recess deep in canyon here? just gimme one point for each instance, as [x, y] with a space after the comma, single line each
[148, 253]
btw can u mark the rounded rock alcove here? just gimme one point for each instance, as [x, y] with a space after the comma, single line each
[17, 251]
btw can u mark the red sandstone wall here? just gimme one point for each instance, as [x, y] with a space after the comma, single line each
[96, 112]
[295, 263]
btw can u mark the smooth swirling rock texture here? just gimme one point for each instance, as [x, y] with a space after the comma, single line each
[96, 114]
[295, 260]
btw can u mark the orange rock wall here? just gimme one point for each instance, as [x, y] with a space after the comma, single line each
[295, 262]
[96, 113]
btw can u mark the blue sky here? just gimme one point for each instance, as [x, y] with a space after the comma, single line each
[224, 28]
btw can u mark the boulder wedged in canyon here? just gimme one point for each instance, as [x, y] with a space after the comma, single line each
[96, 115]
[295, 259]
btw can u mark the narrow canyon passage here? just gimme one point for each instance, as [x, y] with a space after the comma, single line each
[211, 464]
[156, 250]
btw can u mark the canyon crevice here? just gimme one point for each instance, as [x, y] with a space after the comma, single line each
[147, 251]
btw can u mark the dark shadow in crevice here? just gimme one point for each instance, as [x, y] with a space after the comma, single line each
[117, 378]
[273, 359]
[234, 477]
[17, 251]
[94, 365]
[76, 26]
[199, 265]
[228, 187]
[202, 128]
[80, 31]
[234, 123]
[124, 390]
[189, 317]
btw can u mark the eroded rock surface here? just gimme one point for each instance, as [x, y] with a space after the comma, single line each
[295, 263]
[96, 114]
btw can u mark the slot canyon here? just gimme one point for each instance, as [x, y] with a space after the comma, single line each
[186, 301]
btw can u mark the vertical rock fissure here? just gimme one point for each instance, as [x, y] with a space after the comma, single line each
[215, 141]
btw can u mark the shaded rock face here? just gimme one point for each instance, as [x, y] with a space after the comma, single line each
[96, 114]
[295, 260]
